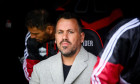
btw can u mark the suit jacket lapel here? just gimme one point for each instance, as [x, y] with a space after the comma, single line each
[57, 70]
[78, 66]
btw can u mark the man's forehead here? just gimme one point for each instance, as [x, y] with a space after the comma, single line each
[67, 24]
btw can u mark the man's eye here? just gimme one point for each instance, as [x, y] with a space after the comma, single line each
[34, 33]
[60, 32]
[71, 32]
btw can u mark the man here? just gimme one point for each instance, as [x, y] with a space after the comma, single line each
[119, 62]
[73, 64]
[39, 41]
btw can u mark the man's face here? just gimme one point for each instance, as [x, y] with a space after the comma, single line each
[39, 35]
[68, 36]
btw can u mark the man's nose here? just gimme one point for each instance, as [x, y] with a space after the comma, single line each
[65, 36]
[33, 36]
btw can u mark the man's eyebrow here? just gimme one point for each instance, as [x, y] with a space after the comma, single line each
[34, 33]
[59, 30]
[70, 30]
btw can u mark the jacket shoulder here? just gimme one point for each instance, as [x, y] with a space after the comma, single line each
[48, 61]
[92, 57]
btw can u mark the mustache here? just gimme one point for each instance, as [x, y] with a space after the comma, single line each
[65, 40]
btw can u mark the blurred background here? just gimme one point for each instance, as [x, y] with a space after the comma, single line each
[98, 14]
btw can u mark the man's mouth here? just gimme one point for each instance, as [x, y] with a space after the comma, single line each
[64, 43]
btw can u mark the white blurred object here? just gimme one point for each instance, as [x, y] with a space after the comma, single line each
[8, 24]
[21, 59]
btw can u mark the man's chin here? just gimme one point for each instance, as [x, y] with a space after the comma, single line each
[65, 47]
[39, 41]
[68, 53]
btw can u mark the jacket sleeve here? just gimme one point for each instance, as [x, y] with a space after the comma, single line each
[30, 57]
[115, 60]
[28, 67]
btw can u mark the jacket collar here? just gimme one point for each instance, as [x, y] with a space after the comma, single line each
[78, 66]
[57, 70]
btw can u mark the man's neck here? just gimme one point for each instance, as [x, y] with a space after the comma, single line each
[68, 60]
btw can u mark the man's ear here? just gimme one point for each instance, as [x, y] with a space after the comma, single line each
[55, 41]
[82, 37]
[50, 29]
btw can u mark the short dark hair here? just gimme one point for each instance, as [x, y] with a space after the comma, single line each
[70, 15]
[39, 18]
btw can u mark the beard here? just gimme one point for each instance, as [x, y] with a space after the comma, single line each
[44, 38]
[69, 53]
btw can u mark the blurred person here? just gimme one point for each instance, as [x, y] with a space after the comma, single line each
[39, 41]
[119, 61]
[73, 64]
